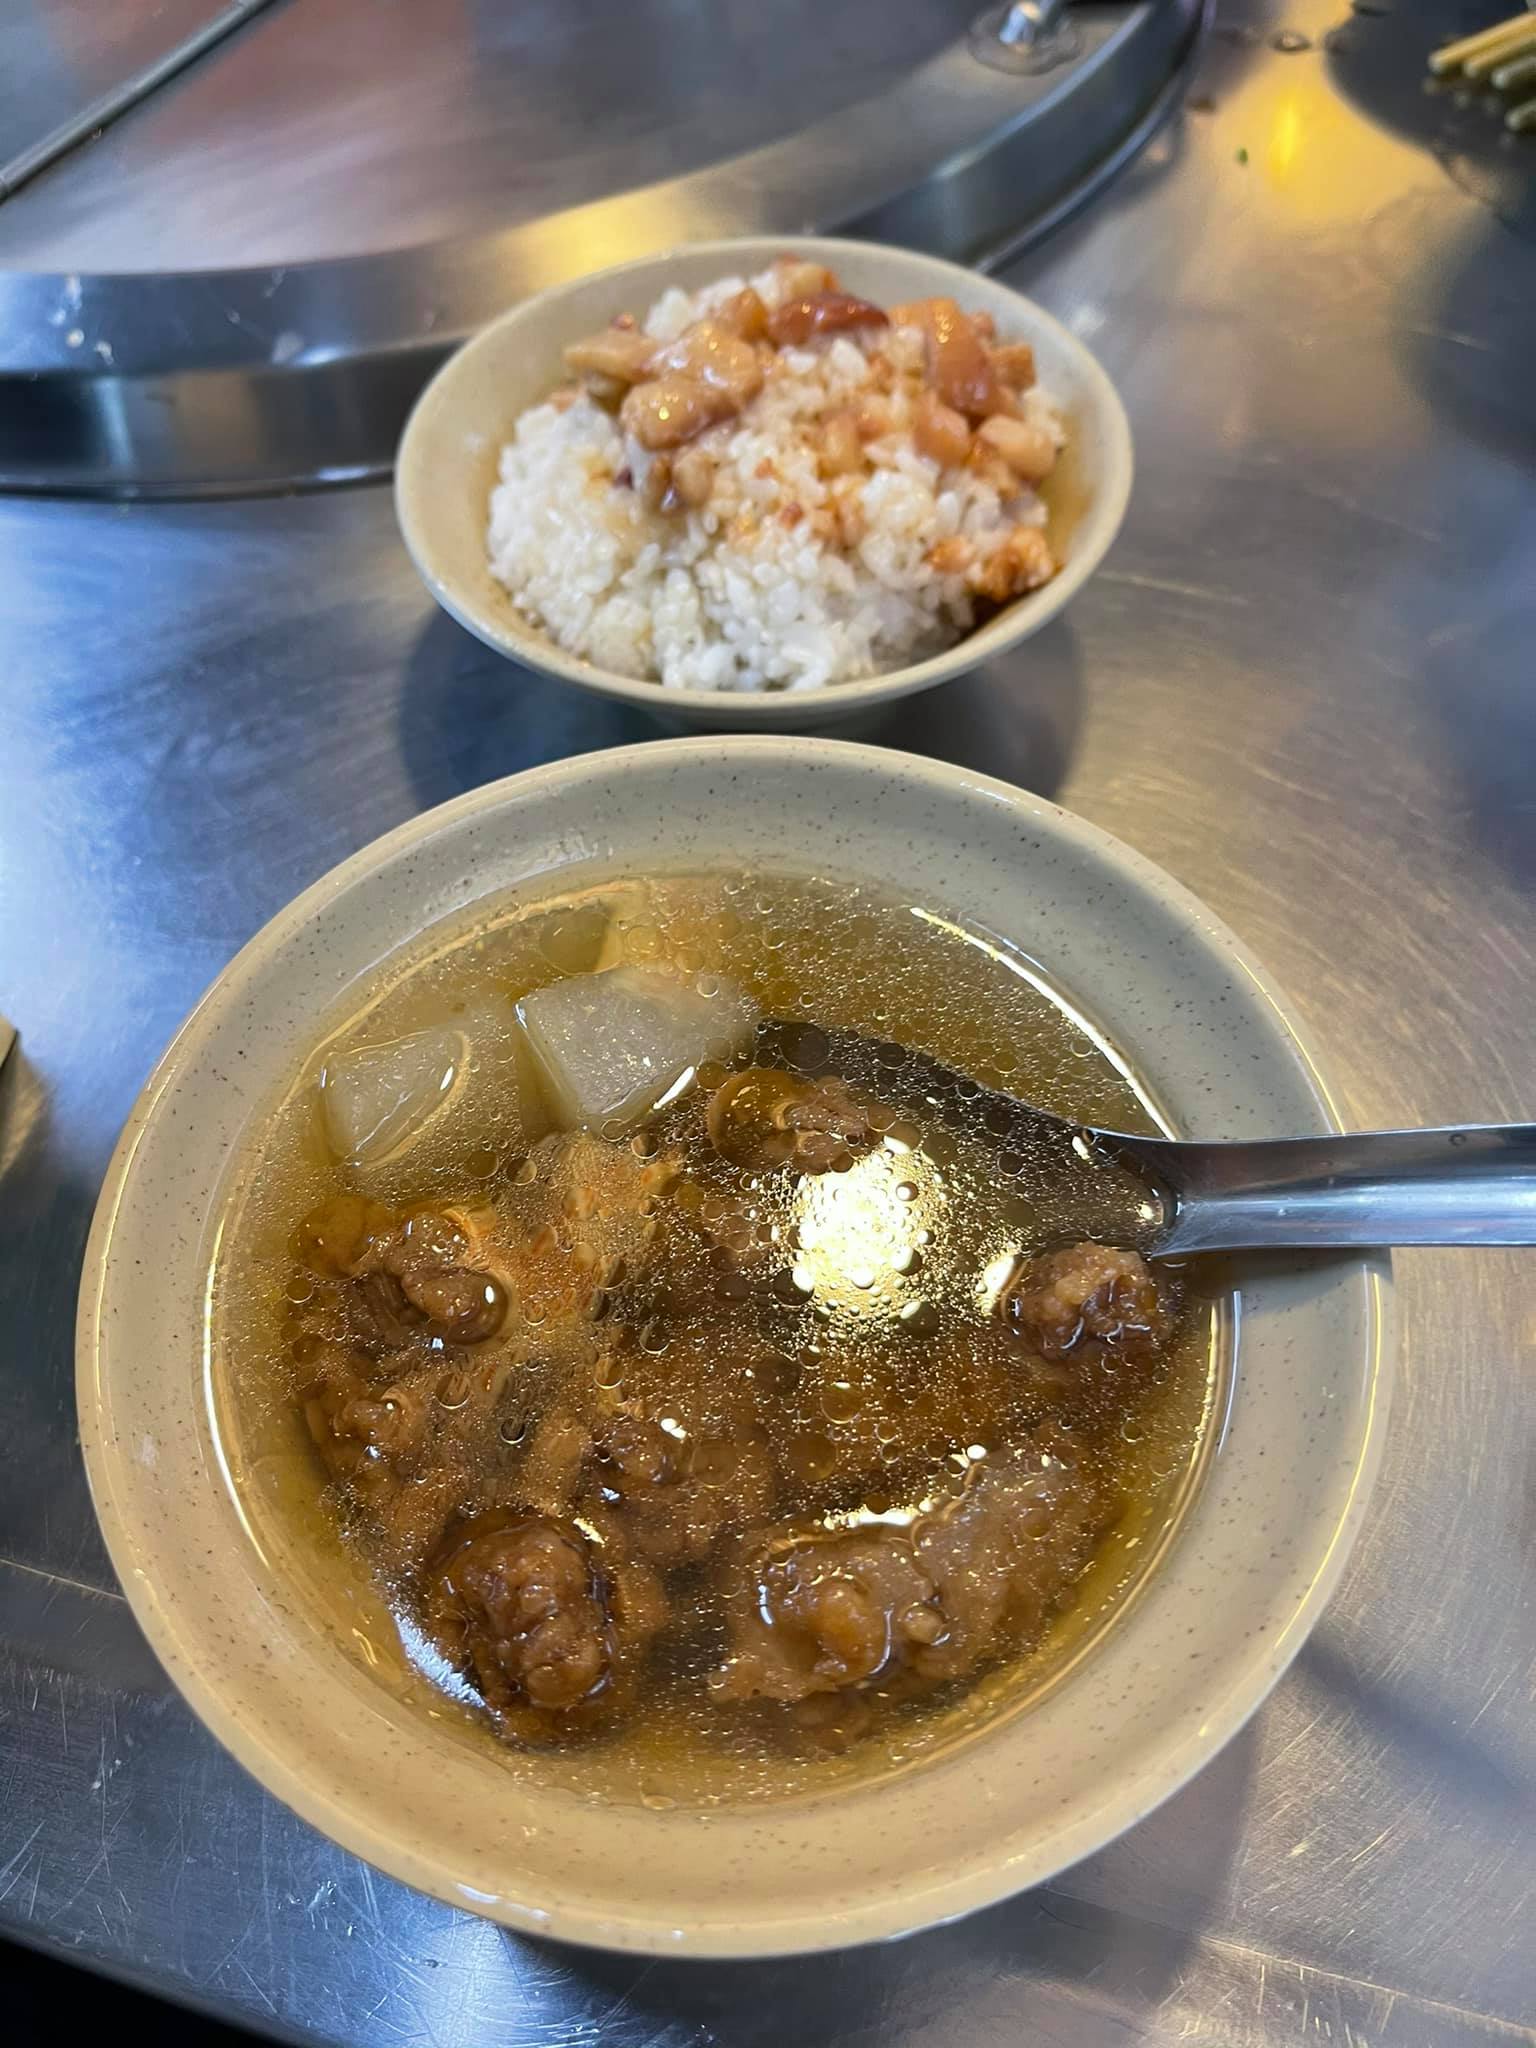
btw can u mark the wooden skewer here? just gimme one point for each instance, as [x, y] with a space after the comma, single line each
[1502, 33]
[1521, 72]
[1521, 117]
[1490, 60]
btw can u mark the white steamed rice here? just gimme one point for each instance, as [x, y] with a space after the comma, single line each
[733, 597]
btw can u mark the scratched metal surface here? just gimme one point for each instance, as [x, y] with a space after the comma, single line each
[339, 126]
[1304, 684]
[57, 57]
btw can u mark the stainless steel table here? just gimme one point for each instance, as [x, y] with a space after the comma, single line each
[1305, 683]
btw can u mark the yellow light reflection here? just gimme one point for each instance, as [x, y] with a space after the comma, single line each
[606, 231]
[1285, 140]
[859, 1232]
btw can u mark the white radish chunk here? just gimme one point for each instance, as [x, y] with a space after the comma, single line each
[421, 1106]
[610, 1047]
[377, 1099]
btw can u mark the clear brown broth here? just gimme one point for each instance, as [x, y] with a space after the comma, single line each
[889, 1369]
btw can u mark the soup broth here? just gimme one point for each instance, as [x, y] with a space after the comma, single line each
[647, 1331]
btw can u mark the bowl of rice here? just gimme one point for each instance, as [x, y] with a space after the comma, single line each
[764, 483]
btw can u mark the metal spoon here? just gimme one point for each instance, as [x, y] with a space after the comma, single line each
[1461, 1184]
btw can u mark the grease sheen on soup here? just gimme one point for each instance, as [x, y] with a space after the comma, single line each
[647, 1310]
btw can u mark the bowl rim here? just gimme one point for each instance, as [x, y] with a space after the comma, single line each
[750, 709]
[992, 1874]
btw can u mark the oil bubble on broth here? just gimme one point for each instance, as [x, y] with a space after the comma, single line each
[650, 1338]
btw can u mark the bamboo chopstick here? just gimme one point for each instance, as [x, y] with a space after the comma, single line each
[1490, 46]
[1488, 61]
[1521, 72]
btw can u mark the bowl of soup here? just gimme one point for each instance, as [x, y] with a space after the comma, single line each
[586, 1366]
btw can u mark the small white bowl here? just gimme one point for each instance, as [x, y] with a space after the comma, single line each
[448, 455]
[244, 1629]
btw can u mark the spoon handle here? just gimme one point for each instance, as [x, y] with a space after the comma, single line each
[1464, 1184]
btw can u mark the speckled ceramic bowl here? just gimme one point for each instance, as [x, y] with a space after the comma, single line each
[1175, 1675]
[447, 465]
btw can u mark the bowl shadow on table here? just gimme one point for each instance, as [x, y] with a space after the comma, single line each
[1473, 682]
[1464, 330]
[1392, 1714]
[1379, 61]
[1462, 319]
[1046, 1965]
[46, 1520]
[1473, 675]
[1461, 333]
[1017, 718]
[469, 716]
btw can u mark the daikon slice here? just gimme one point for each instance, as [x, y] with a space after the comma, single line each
[376, 1099]
[610, 1047]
